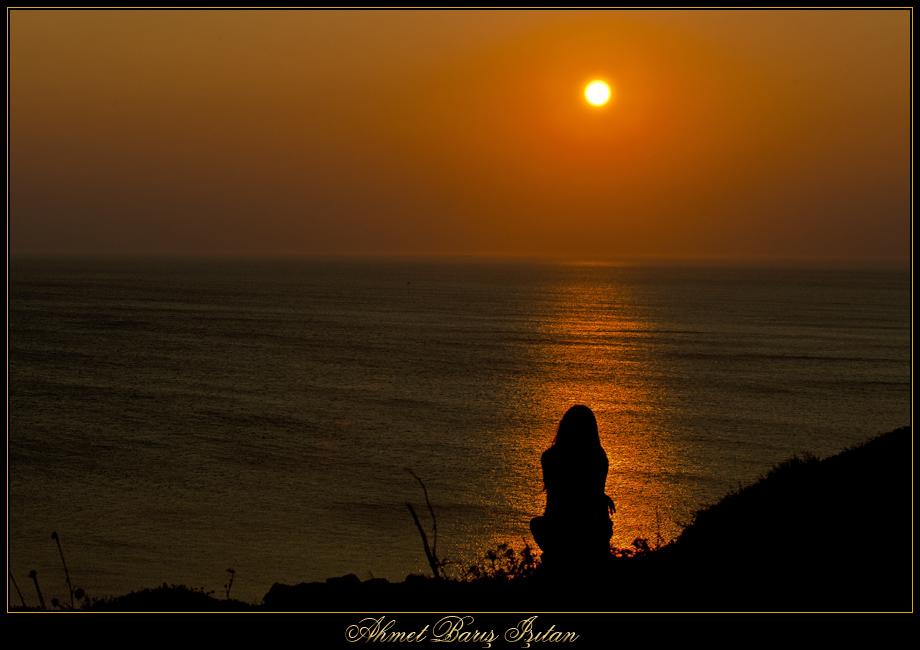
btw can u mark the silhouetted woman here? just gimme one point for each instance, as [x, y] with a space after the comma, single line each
[576, 527]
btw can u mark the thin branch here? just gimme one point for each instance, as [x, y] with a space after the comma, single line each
[55, 537]
[432, 560]
[434, 521]
[21, 599]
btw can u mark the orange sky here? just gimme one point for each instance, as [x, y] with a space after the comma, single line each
[731, 134]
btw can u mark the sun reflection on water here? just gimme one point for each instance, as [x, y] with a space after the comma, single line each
[592, 346]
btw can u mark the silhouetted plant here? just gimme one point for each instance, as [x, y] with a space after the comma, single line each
[229, 584]
[21, 599]
[34, 575]
[431, 553]
[640, 548]
[504, 563]
[55, 537]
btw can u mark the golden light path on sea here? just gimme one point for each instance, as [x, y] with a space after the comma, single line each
[598, 336]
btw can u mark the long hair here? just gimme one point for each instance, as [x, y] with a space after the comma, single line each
[576, 453]
[578, 430]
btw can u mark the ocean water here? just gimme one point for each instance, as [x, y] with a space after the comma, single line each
[174, 418]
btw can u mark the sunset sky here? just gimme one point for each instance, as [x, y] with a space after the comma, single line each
[736, 134]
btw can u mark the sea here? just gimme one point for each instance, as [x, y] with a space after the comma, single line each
[229, 423]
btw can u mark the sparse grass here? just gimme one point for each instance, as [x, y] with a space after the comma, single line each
[640, 548]
[180, 594]
[502, 564]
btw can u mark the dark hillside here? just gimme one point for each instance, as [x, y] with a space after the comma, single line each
[833, 534]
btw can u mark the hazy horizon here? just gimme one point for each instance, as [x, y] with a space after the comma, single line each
[497, 257]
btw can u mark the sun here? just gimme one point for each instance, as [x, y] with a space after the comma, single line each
[597, 93]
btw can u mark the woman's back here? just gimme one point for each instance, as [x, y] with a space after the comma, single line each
[576, 522]
[574, 481]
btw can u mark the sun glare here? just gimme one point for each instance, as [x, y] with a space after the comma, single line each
[597, 93]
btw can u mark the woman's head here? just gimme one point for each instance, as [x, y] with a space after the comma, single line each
[578, 428]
